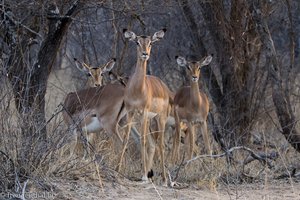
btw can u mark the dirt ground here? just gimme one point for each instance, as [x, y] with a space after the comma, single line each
[281, 190]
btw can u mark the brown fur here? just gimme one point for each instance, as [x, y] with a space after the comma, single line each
[147, 94]
[103, 102]
[181, 100]
[191, 106]
[84, 106]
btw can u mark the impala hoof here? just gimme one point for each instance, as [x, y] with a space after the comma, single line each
[150, 174]
[145, 179]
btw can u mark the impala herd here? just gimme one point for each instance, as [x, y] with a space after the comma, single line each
[101, 107]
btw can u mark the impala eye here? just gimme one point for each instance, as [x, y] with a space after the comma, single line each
[89, 74]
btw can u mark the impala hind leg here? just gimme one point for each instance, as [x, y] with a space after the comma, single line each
[114, 135]
[161, 144]
[76, 145]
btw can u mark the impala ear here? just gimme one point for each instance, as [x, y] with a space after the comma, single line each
[108, 66]
[206, 61]
[85, 66]
[158, 35]
[82, 69]
[129, 35]
[181, 61]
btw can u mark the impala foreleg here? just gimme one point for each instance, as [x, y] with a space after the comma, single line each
[191, 143]
[176, 138]
[75, 145]
[151, 144]
[144, 156]
[206, 139]
[90, 144]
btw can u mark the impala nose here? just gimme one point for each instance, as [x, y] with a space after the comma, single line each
[97, 84]
[194, 78]
[145, 55]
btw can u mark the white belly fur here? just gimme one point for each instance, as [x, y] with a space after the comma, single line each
[151, 115]
[95, 125]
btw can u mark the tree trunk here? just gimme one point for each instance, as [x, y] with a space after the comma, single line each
[282, 106]
[29, 83]
[234, 104]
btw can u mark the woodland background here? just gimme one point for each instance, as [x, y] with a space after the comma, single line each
[253, 81]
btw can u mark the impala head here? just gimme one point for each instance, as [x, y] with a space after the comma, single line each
[95, 73]
[144, 43]
[193, 66]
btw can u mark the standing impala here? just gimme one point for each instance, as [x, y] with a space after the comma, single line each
[191, 106]
[96, 108]
[150, 96]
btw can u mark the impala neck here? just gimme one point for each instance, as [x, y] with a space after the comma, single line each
[195, 93]
[141, 67]
[139, 74]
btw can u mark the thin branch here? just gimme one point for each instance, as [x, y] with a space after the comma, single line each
[180, 166]
[252, 153]
[84, 22]
[16, 23]
[8, 158]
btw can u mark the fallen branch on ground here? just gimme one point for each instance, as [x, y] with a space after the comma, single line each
[256, 156]
[272, 156]
[261, 157]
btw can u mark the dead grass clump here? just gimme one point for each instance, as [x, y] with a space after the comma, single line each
[27, 162]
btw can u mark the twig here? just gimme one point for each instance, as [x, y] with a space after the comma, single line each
[172, 183]
[181, 165]
[99, 176]
[8, 158]
[160, 197]
[19, 23]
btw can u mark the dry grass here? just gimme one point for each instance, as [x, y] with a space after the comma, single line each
[95, 177]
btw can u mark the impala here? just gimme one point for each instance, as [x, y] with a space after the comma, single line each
[149, 96]
[191, 106]
[96, 108]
